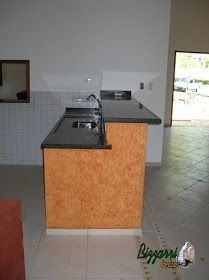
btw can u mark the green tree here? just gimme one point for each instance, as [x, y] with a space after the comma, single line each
[205, 62]
[186, 60]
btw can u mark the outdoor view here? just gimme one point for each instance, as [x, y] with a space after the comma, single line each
[191, 89]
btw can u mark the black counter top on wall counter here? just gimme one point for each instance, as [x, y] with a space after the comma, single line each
[129, 111]
[66, 135]
[70, 133]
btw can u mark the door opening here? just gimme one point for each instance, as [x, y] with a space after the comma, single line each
[191, 89]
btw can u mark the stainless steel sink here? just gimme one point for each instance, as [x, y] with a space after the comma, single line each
[84, 124]
[80, 121]
[77, 128]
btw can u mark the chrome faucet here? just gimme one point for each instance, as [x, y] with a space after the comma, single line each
[93, 96]
[103, 134]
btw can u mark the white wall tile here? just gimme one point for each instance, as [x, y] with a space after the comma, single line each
[23, 127]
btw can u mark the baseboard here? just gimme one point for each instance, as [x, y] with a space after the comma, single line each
[67, 231]
[153, 164]
[127, 232]
[132, 232]
[167, 125]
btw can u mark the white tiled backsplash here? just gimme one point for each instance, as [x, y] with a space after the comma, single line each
[24, 126]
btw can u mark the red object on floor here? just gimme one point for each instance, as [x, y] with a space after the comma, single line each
[11, 241]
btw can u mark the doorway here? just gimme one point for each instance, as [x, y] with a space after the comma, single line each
[191, 89]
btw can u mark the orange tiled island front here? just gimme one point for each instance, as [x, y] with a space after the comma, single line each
[97, 188]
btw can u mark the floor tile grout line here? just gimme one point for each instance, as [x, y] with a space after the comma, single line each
[187, 204]
[145, 269]
[183, 204]
[188, 188]
[198, 161]
[159, 234]
[31, 267]
[190, 216]
[171, 197]
[193, 178]
[36, 251]
[175, 185]
[87, 254]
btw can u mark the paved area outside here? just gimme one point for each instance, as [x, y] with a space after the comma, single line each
[192, 107]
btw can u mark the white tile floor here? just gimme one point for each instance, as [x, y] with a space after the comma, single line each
[176, 210]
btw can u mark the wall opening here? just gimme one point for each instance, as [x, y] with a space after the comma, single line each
[191, 89]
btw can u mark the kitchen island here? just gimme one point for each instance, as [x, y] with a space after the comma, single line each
[95, 180]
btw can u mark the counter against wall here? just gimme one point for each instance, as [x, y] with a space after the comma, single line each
[100, 188]
[95, 188]
[123, 111]
[128, 111]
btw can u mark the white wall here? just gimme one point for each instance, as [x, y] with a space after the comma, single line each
[188, 32]
[91, 36]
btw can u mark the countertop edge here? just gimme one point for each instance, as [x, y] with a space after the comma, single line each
[154, 119]
[77, 146]
[130, 120]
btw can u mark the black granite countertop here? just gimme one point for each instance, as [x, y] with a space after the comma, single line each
[129, 111]
[65, 135]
